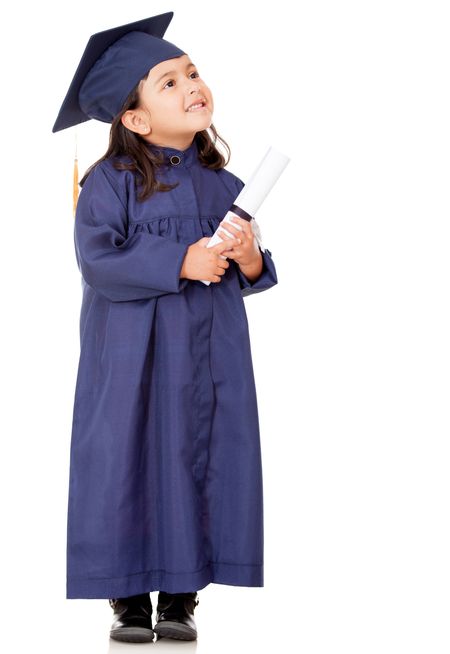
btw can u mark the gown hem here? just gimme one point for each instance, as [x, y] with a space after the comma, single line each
[146, 582]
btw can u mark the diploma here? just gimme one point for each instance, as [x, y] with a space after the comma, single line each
[253, 194]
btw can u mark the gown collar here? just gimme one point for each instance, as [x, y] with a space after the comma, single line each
[175, 157]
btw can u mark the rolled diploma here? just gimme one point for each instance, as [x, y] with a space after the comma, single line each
[254, 192]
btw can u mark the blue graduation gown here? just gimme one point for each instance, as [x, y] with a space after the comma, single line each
[165, 488]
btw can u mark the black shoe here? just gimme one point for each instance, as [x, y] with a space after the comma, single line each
[175, 615]
[132, 619]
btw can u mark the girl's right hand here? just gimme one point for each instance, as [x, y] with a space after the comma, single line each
[203, 263]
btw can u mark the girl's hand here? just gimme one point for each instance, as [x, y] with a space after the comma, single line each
[247, 251]
[203, 263]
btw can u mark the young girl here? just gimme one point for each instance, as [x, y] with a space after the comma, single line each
[165, 489]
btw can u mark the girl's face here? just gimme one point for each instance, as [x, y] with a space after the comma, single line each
[170, 88]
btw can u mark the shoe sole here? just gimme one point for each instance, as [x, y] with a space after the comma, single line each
[132, 634]
[175, 630]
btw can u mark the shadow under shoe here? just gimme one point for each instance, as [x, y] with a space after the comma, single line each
[175, 615]
[132, 619]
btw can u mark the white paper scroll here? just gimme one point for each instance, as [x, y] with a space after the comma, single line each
[254, 193]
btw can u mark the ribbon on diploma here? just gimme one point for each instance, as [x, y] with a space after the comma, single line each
[240, 212]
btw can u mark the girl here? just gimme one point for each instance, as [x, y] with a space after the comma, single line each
[165, 489]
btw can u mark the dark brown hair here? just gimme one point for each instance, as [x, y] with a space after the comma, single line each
[144, 160]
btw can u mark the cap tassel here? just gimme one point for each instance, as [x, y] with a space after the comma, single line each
[75, 178]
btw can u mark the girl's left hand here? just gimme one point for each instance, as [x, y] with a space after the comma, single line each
[248, 250]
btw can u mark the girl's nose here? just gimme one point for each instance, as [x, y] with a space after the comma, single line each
[193, 84]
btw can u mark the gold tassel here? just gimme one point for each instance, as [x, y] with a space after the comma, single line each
[75, 177]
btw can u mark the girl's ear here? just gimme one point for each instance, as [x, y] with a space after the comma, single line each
[133, 120]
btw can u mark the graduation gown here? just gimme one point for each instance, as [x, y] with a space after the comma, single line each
[165, 486]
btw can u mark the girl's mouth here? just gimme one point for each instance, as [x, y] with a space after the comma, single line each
[197, 107]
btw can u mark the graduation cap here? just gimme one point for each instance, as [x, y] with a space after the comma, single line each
[113, 62]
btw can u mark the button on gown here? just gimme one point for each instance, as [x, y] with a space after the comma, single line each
[165, 487]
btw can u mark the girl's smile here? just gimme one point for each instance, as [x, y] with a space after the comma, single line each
[197, 106]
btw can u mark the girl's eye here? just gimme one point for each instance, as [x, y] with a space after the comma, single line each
[194, 72]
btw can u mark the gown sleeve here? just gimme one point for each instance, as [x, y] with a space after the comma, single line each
[268, 276]
[122, 268]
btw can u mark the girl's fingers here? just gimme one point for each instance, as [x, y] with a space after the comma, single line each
[225, 244]
[225, 236]
[246, 227]
[226, 225]
[239, 221]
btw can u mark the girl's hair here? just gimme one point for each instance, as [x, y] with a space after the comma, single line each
[144, 161]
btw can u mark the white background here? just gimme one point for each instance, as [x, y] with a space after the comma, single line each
[351, 348]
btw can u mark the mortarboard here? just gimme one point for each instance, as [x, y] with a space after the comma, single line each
[112, 64]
